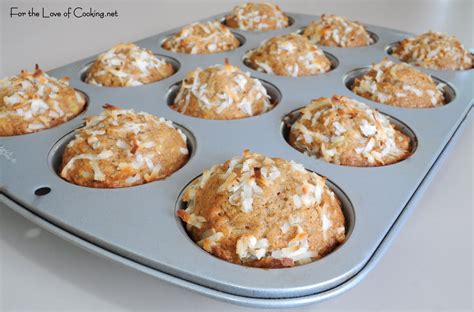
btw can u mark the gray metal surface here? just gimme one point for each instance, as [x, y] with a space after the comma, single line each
[138, 226]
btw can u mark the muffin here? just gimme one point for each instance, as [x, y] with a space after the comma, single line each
[121, 148]
[399, 85]
[346, 132]
[288, 55]
[257, 17]
[263, 212]
[221, 92]
[434, 50]
[202, 38]
[127, 65]
[34, 101]
[337, 31]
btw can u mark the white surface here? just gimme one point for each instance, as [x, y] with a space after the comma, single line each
[428, 267]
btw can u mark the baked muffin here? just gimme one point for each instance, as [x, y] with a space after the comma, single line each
[337, 31]
[288, 55]
[127, 65]
[434, 50]
[399, 85]
[257, 17]
[221, 92]
[346, 132]
[202, 38]
[120, 148]
[34, 101]
[263, 212]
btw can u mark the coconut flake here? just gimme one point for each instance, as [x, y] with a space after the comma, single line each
[367, 129]
[249, 247]
[297, 201]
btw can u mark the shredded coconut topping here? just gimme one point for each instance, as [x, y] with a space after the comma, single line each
[219, 89]
[247, 186]
[257, 16]
[355, 128]
[210, 238]
[398, 84]
[288, 55]
[333, 30]
[127, 136]
[202, 38]
[37, 100]
[248, 246]
[298, 248]
[434, 50]
[130, 65]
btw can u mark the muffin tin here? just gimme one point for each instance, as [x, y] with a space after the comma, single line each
[137, 226]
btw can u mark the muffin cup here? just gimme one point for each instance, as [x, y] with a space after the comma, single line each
[447, 90]
[289, 119]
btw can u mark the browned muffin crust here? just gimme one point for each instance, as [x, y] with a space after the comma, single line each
[127, 65]
[434, 50]
[346, 132]
[34, 101]
[221, 92]
[263, 212]
[337, 31]
[254, 16]
[202, 38]
[121, 148]
[288, 55]
[399, 85]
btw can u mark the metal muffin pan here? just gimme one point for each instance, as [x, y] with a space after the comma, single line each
[137, 226]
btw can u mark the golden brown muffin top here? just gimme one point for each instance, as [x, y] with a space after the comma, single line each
[434, 50]
[121, 148]
[399, 84]
[34, 101]
[127, 65]
[344, 131]
[260, 16]
[222, 92]
[202, 38]
[288, 55]
[337, 31]
[265, 212]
